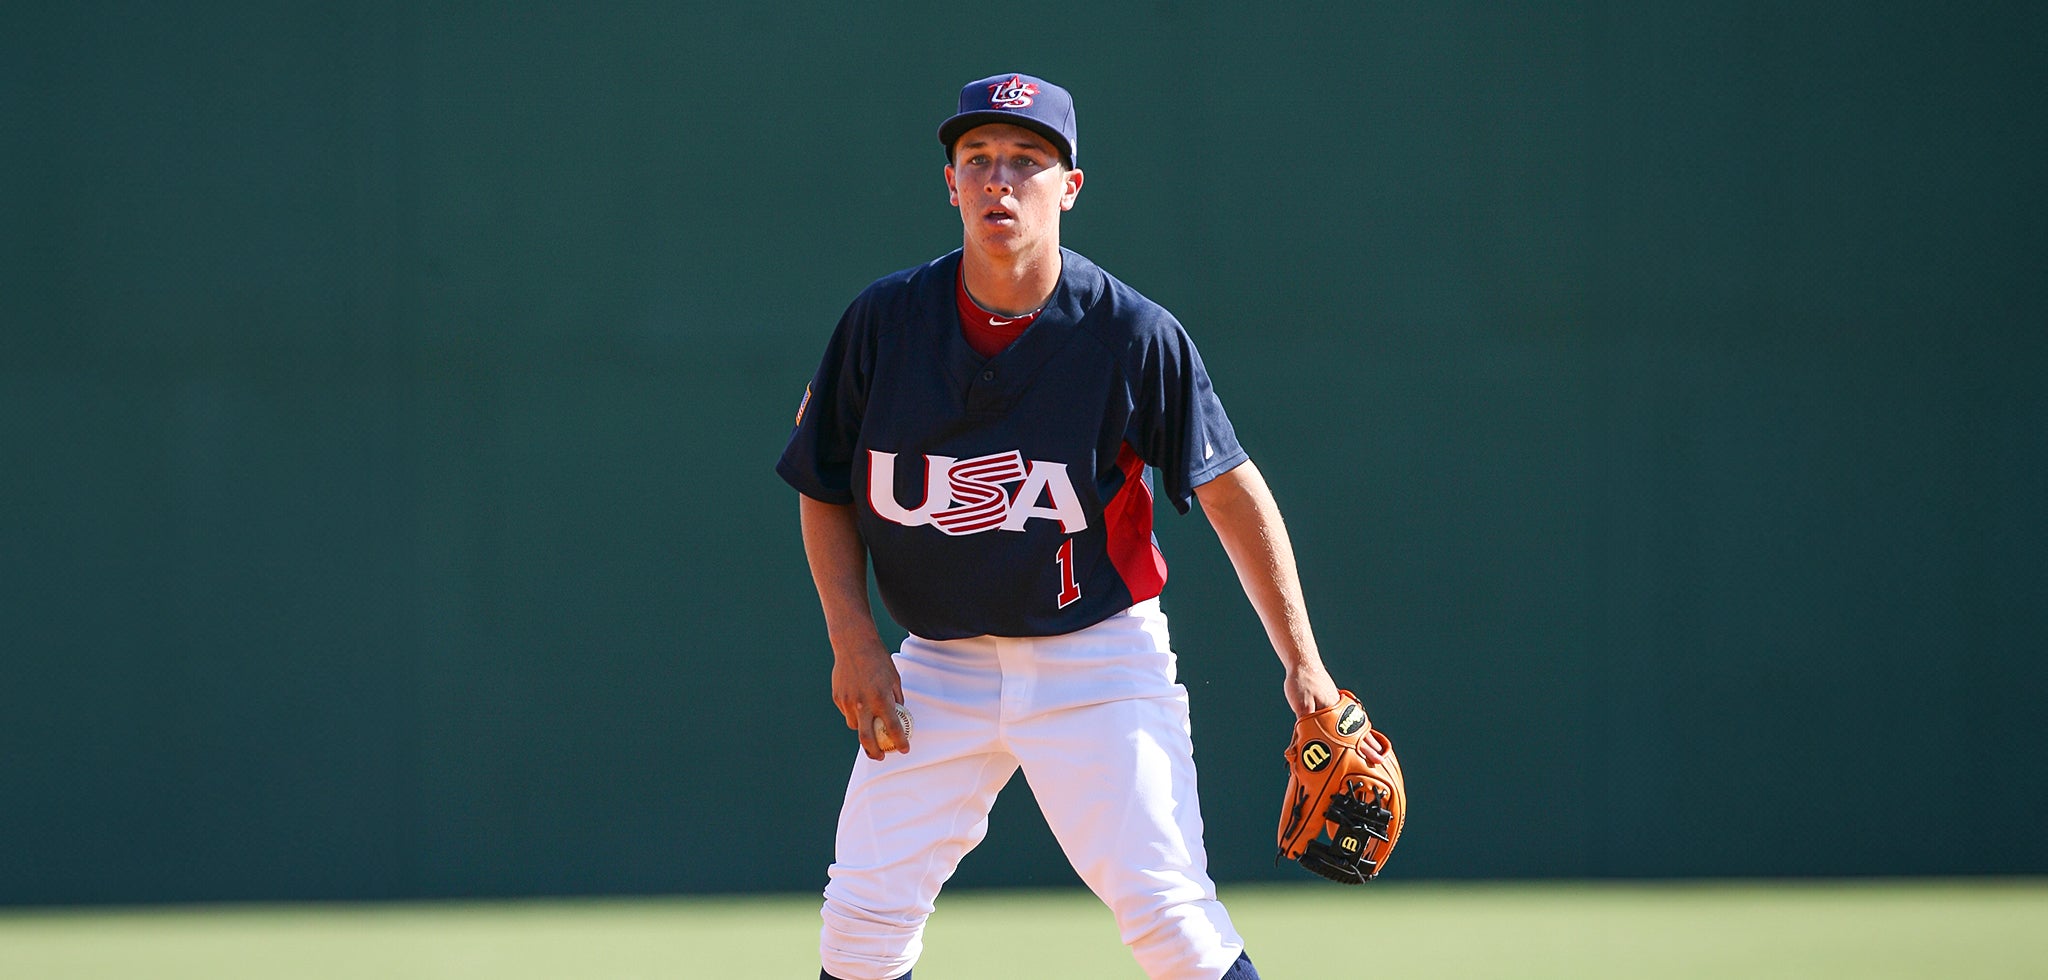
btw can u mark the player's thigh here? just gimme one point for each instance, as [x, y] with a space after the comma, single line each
[1116, 783]
[908, 818]
[902, 806]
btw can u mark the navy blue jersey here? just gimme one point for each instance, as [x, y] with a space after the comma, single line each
[1007, 496]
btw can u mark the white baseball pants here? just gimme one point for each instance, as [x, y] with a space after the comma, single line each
[1100, 727]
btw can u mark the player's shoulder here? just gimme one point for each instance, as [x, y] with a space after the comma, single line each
[908, 301]
[1113, 310]
[913, 284]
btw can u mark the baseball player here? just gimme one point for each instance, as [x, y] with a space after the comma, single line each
[979, 430]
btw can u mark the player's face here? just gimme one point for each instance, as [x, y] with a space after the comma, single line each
[1010, 187]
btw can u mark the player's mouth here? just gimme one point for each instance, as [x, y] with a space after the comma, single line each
[998, 216]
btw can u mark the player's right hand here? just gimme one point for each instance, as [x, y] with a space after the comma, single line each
[865, 686]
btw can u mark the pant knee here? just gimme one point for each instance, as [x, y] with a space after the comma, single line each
[1183, 941]
[868, 944]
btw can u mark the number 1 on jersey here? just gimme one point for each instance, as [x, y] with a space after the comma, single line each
[1070, 591]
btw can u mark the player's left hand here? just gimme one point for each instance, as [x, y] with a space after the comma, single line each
[1309, 689]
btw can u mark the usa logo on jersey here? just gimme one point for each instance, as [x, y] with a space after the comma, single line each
[968, 496]
[1013, 94]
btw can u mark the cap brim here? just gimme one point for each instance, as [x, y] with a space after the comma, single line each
[952, 129]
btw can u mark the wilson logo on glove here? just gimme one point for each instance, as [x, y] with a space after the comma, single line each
[1351, 720]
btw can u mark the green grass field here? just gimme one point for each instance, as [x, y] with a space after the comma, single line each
[1917, 929]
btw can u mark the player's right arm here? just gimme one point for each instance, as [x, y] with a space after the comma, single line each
[865, 685]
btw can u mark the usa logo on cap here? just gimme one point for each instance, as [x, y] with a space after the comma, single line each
[1013, 94]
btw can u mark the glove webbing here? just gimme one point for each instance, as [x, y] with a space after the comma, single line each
[1343, 859]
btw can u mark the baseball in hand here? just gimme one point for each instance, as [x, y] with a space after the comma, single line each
[883, 740]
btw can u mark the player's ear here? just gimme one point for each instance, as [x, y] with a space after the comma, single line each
[952, 192]
[1072, 191]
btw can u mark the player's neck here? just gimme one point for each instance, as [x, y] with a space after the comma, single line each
[1010, 285]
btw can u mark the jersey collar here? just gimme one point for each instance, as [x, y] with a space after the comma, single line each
[990, 386]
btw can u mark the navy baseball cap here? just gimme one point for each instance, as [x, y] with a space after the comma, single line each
[1020, 100]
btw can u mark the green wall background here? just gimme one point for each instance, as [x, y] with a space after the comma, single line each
[390, 391]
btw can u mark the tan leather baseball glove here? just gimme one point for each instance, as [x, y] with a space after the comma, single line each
[1333, 789]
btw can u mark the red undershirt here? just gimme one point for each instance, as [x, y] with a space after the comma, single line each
[988, 333]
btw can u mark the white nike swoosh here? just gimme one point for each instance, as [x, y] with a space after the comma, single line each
[993, 322]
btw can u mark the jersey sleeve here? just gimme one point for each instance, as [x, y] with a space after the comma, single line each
[1178, 424]
[818, 461]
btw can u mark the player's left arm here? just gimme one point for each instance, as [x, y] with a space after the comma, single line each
[1247, 520]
